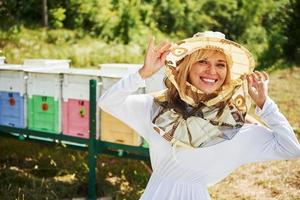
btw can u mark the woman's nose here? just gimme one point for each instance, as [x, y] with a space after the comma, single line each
[211, 69]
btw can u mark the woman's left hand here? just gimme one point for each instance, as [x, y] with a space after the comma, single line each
[258, 87]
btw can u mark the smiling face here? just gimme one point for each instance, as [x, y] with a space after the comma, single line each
[209, 72]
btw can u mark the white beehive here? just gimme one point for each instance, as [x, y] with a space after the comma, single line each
[44, 81]
[76, 83]
[12, 78]
[43, 76]
[47, 63]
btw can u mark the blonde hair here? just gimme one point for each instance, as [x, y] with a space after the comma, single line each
[182, 76]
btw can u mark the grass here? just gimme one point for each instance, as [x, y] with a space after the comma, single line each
[37, 171]
[284, 87]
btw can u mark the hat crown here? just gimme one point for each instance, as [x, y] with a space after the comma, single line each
[212, 34]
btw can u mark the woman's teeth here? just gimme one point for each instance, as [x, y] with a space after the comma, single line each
[209, 80]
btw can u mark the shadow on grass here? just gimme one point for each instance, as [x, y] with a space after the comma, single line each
[41, 171]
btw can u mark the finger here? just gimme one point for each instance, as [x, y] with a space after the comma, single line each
[161, 44]
[249, 80]
[262, 76]
[261, 88]
[265, 74]
[164, 55]
[250, 84]
[151, 44]
[258, 75]
[255, 78]
[164, 48]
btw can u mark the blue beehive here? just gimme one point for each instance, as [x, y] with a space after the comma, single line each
[12, 109]
[12, 91]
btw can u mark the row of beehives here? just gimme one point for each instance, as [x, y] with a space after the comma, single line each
[47, 95]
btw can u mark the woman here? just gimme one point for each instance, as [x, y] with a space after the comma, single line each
[196, 128]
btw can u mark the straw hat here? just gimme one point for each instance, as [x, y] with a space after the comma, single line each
[239, 59]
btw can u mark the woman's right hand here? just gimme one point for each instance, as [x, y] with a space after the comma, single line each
[155, 58]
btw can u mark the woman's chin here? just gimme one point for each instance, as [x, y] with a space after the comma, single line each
[207, 89]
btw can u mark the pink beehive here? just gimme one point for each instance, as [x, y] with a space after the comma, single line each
[75, 106]
[76, 118]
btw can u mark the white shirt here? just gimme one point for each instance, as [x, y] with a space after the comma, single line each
[185, 174]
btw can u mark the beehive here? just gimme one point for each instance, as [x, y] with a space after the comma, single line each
[12, 96]
[112, 129]
[44, 97]
[46, 63]
[75, 105]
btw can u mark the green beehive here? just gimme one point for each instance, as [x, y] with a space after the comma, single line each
[44, 95]
[43, 114]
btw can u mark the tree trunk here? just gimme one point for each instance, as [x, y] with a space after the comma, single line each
[45, 14]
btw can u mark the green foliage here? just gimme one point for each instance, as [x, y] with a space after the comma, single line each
[269, 28]
[273, 23]
[57, 16]
[19, 43]
[19, 12]
[292, 32]
[256, 43]
[129, 20]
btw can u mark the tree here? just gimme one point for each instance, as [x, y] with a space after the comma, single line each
[292, 32]
[45, 14]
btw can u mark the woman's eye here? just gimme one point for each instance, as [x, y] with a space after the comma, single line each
[221, 65]
[202, 61]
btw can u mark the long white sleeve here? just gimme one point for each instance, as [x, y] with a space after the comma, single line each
[277, 143]
[132, 109]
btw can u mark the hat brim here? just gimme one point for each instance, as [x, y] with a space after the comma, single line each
[240, 59]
